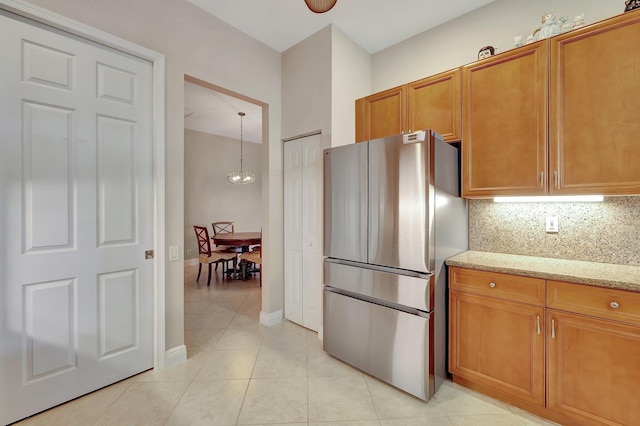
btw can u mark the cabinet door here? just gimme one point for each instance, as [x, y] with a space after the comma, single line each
[498, 345]
[385, 113]
[593, 374]
[434, 103]
[595, 99]
[504, 123]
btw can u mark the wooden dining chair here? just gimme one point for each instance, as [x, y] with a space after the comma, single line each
[257, 247]
[223, 228]
[208, 256]
[252, 258]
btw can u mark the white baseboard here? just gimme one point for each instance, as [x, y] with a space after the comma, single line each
[193, 261]
[271, 319]
[175, 356]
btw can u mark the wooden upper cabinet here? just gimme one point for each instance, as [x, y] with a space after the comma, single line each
[429, 103]
[382, 114]
[595, 100]
[504, 123]
[434, 103]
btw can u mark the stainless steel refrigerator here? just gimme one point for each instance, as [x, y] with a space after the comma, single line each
[392, 215]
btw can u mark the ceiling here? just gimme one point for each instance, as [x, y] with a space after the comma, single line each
[372, 24]
[209, 111]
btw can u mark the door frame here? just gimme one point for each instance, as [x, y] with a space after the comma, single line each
[157, 60]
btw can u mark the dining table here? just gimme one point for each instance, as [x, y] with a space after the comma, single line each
[238, 239]
[242, 240]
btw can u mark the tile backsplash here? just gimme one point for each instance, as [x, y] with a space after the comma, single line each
[607, 232]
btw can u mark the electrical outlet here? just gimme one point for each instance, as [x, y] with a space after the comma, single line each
[188, 252]
[552, 224]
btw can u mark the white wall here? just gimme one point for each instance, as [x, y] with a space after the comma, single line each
[306, 86]
[202, 46]
[351, 80]
[208, 197]
[322, 76]
[457, 42]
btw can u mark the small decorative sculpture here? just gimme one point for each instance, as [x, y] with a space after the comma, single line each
[530, 39]
[549, 26]
[578, 21]
[486, 51]
[564, 23]
[631, 4]
[518, 41]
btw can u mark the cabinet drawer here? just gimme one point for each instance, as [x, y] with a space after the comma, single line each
[505, 286]
[618, 305]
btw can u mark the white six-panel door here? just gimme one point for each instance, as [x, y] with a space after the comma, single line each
[303, 231]
[76, 293]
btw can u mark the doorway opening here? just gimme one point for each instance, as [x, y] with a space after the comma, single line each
[212, 149]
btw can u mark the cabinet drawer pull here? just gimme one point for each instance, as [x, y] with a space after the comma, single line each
[541, 180]
[492, 285]
[553, 329]
[614, 305]
[555, 179]
[538, 321]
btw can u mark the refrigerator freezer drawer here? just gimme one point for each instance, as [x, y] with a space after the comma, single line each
[389, 287]
[392, 345]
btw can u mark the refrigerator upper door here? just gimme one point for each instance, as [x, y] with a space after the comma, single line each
[401, 201]
[345, 202]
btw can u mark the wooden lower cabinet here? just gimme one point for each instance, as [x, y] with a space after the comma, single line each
[498, 345]
[593, 370]
[590, 374]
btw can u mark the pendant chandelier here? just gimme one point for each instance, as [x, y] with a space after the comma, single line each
[241, 177]
[320, 6]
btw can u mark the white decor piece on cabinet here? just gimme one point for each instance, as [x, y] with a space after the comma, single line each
[303, 230]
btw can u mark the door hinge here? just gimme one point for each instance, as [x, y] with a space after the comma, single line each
[148, 254]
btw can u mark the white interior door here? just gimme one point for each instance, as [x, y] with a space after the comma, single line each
[293, 233]
[303, 230]
[76, 303]
[312, 231]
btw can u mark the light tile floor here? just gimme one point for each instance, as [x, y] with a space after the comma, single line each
[240, 372]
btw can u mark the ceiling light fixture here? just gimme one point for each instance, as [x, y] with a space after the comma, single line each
[241, 176]
[320, 6]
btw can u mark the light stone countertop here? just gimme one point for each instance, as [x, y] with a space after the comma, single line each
[621, 277]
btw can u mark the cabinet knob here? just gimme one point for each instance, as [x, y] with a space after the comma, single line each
[492, 285]
[614, 305]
